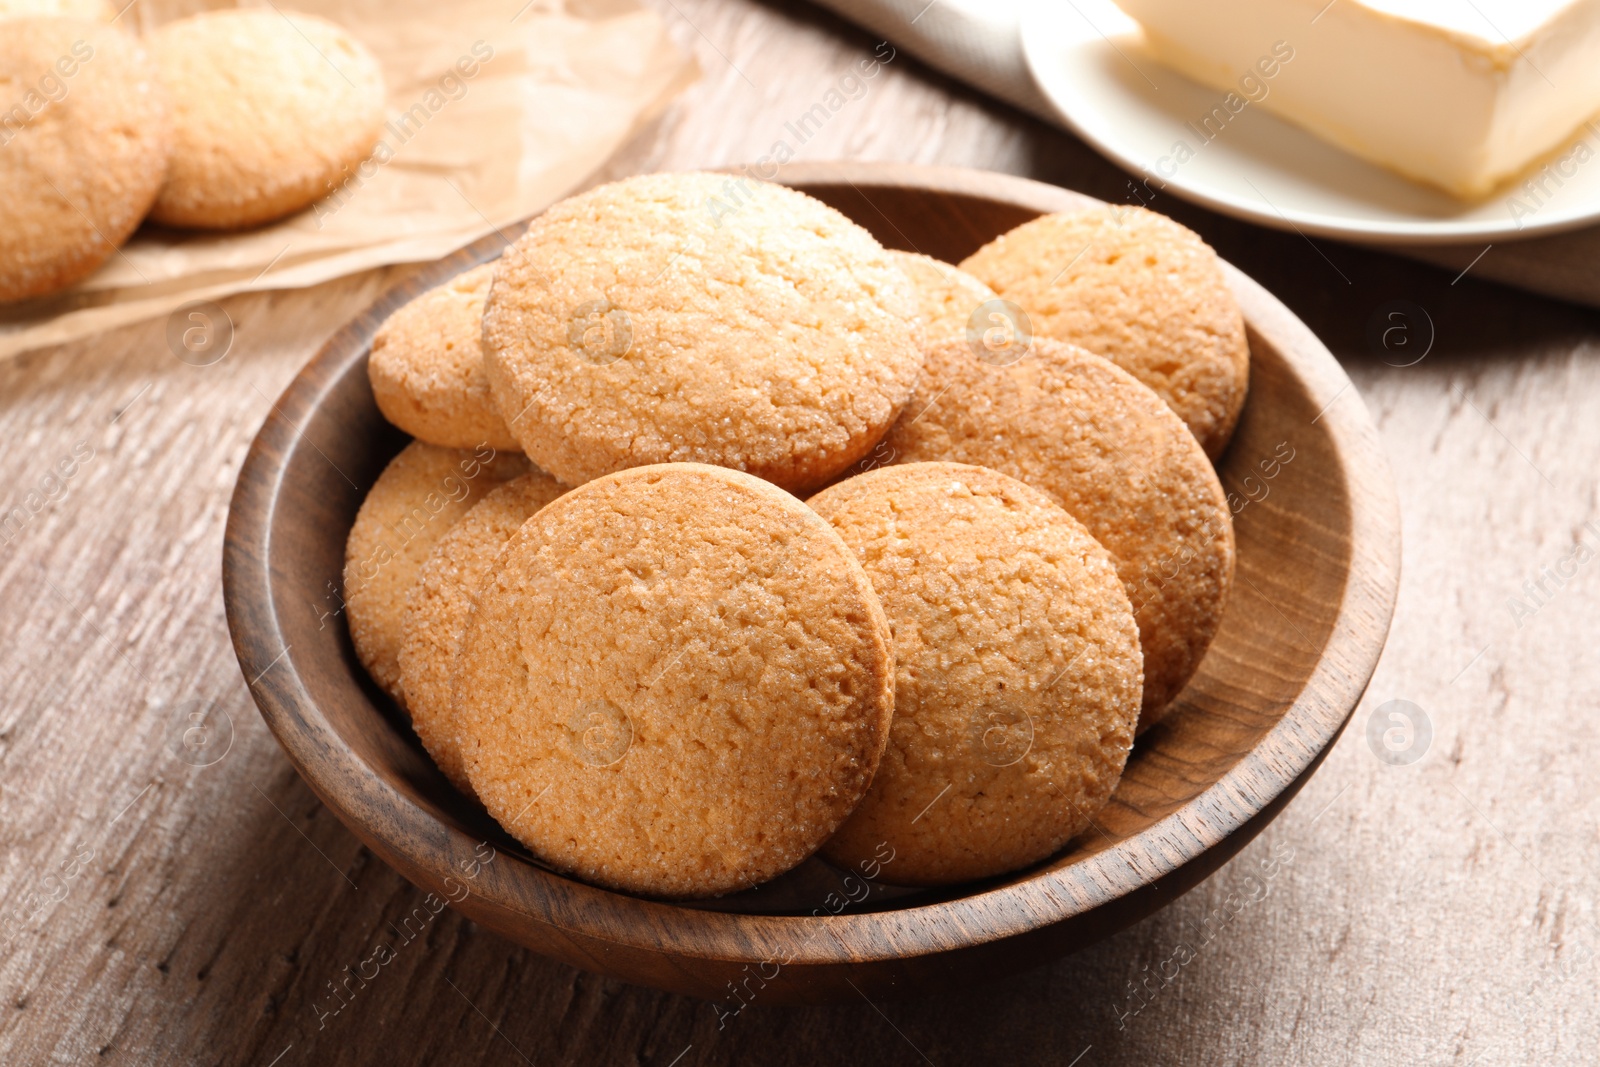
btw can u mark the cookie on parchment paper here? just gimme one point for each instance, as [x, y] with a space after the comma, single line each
[271, 108]
[83, 149]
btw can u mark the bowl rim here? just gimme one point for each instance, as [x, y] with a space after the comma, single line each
[386, 817]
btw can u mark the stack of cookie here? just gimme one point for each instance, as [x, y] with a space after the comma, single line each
[730, 537]
[224, 120]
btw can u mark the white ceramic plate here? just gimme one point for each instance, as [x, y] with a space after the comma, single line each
[1089, 61]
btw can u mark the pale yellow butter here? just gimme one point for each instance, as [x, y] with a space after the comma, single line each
[1462, 94]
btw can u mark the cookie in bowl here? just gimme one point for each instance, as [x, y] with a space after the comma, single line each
[694, 317]
[677, 683]
[1143, 291]
[1017, 672]
[1111, 453]
[947, 296]
[421, 494]
[441, 602]
[426, 367]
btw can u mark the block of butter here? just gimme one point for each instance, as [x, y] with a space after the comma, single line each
[1462, 94]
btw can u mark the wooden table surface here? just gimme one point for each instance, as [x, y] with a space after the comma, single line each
[1440, 912]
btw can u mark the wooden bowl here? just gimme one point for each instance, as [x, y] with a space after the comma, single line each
[1318, 567]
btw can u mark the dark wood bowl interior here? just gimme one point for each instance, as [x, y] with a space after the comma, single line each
[1318, 559]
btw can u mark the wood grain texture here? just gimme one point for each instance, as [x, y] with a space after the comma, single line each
[1442, 912]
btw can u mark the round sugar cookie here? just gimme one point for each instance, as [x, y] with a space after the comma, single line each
[946, 295]
[272, 108]
[1139, 289]
[698, 317]
[83, 149]
[677, 683]
[1116, 458]
[1017, 672]
[427, 372]
[421, 494]
[441, 599]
